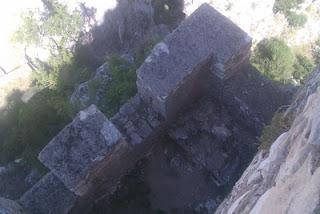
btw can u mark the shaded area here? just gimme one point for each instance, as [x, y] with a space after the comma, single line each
[194, 164]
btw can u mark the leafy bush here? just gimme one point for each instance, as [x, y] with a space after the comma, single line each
[302, 68]
[296, 20]
[278, 125]
[123, 84]
[55, 29]
[316, 51]
[27, 127]
[274, 59]
[286, 5]
[62, 72]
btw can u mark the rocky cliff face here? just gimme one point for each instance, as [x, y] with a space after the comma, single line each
[285, 179]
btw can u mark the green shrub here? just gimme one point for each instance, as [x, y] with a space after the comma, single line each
[316, 51]
[296, 20]
[286, 5]
[302, 68]
[122, 87]
[278, 125]
[62, 72]
[27, 127]
[274, 59]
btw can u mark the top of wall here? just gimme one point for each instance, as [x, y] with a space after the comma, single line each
[205, 36]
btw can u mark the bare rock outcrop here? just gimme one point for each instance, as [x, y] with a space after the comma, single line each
[287, 178]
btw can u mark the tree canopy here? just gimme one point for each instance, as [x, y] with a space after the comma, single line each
[54, 27]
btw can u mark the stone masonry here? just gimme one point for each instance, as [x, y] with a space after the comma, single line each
[173, 73]
[80, 149]
[93, 153]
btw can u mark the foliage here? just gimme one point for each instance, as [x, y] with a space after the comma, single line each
[274, 59]
[278, 125]
[27, 127]
[54, 29]
[302, 68]
[316, 51]
[28, 33]
[286, 5]
[123, 84]
[62, 72]
[58, 30]
[296, 20]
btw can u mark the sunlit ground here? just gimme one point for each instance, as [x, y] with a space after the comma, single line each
[12, 55]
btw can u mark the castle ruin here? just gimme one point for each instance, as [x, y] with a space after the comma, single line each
[205, 61]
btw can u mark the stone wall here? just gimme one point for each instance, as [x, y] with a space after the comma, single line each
[88, 158]
[206, 38]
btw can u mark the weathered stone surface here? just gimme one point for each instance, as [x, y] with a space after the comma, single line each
[93, 90]
[214, 140]
[311, 86]
[251, 98]
[136, 120]
[287, 178]
[205, 39]
[16, 178]
[81, 148]
[10, 207]
[48, 196]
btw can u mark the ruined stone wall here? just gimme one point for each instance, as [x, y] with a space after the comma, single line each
[91, 154]
[205, 38]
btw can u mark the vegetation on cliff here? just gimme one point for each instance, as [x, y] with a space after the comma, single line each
[276, 60]
[26, 127]
[286, 7]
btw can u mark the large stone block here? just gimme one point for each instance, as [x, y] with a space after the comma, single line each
[173, 73]
[49, 195]
[81, 149]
